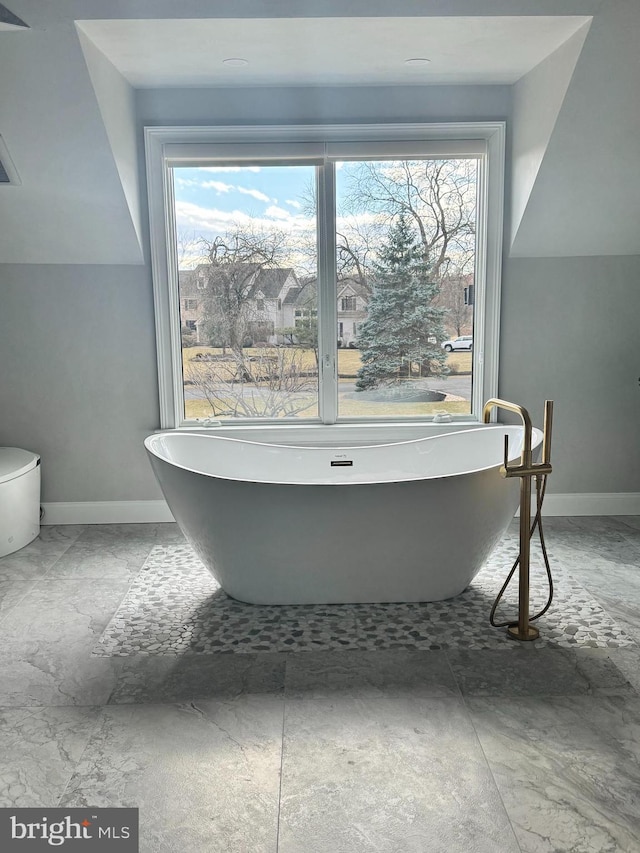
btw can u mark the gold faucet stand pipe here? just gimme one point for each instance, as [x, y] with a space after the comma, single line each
[525, 470]
[523, 630]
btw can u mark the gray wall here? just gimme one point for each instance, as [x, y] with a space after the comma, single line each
[570, 333]
[70, 333]
[78, 382]
[269, 105]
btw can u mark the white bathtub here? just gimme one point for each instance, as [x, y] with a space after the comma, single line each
[276, 524]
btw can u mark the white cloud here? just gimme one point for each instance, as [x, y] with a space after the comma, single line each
[293, 203]
[364, 219]
[277, 213]
[207, 221]
[255, 193]
[219, 186]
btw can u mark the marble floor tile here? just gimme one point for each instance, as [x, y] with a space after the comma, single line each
[387, 774]
[604, 674]
[628, 526]
[36, 558]
[616, 576]
[205, 776]
[630, 520]
[605, 537]
[46, 642]
[53, 539]
[32, 674]
[169, 678]
[23, 566]
[365, 673]
[114, 558]
[380, 749]
[607, 527]
[624, 609]
[528, 671]
[169, 533]
[39, 749]
[102, 534]
[568, 769]
[628, 662]
[61, 611]
[12, 593]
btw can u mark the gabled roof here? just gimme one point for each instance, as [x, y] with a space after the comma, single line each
[354, 286]
[307, 293]
[268, 281]
[292, 295]
[271, 281]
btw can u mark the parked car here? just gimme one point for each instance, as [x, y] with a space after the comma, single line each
[464, 342]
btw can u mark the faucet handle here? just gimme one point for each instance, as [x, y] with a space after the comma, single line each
[546, 439]
[505, 467]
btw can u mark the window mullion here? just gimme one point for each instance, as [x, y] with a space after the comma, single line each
[171, 393]
[327, 305]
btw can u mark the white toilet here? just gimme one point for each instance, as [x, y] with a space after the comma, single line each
[19, 498]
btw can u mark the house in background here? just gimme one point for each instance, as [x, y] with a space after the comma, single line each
[353, 298]
[275, 299]
[269, 297]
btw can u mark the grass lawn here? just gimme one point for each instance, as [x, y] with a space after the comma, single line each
[349, 362]
[348, 359]
[348, 365]
[354, 409]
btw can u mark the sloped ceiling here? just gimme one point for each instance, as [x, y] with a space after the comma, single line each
[330, 51]
[67, 116]
[9, 21]
[70, 206]
[117, 106]
[537, 99]
[585, 199]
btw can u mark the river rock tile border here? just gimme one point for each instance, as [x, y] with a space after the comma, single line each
[174, 606]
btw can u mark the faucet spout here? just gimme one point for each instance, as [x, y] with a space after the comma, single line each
[496, 403]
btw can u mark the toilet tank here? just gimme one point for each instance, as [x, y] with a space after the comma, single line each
[19, 498]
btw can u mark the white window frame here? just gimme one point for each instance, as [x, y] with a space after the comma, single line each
[167, 147]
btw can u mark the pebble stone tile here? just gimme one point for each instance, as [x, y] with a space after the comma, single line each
[175, 606]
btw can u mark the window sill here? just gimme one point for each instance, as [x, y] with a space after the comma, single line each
[344, 434]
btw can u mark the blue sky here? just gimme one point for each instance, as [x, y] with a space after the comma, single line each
[216, 200]
[211, 199]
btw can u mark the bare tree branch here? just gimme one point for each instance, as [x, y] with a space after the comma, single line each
[274, 383]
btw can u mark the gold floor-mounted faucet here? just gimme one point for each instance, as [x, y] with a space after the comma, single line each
[526, 469]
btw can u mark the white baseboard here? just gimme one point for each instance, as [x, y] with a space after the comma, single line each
[106, 512]
[131, 512]
[598, 503]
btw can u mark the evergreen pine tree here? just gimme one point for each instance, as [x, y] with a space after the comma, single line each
[402, 325]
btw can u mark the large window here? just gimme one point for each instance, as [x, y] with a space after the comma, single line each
[323, 274]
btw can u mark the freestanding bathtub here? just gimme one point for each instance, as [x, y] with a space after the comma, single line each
[277, 524]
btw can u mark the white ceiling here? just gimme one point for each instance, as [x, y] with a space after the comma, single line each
[328, 51]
